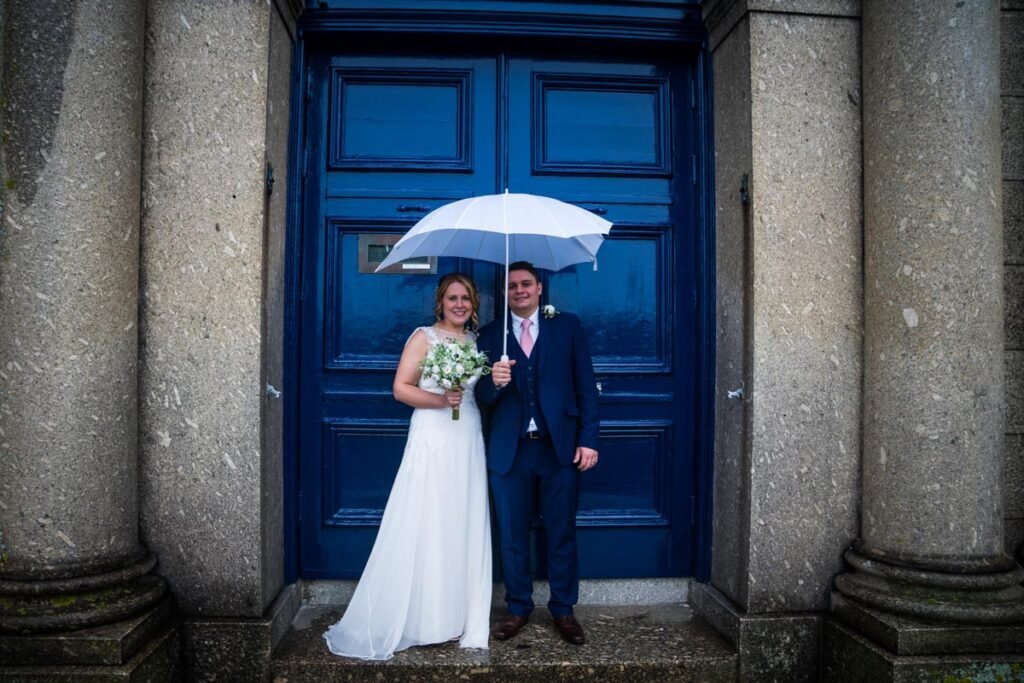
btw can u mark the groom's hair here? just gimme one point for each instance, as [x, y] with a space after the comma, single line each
[525, 265]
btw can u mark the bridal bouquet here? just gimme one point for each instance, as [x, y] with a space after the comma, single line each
[452, 364]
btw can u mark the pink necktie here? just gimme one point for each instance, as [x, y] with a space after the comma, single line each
[525, 338]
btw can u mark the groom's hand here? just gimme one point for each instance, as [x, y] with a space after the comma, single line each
[501, 373]
[585, 458]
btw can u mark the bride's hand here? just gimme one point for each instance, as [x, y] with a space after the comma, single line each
[453, 398]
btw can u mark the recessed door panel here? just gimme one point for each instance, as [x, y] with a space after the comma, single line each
[409, 127]
[598, 131]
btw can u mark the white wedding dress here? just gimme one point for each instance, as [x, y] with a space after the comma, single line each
[428, 578]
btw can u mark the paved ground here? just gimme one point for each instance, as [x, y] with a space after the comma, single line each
[636, 643]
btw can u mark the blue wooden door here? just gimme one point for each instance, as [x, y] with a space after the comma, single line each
[390, 137]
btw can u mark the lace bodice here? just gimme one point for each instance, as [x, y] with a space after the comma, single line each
[434, 336]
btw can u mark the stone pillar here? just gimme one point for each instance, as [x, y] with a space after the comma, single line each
[788, 215]
[217, 91]
[71, 153]
[931, 543]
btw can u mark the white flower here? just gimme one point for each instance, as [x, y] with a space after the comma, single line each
[446, 384]
[459, 369]
[435, 370]
[549, 311]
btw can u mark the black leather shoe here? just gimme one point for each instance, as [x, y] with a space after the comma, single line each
[508, 627]
[570, 629]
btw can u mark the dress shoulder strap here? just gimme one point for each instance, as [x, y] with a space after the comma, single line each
[428, 331]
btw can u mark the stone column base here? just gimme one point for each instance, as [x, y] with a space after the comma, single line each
[237, 649]
[848, 657]
[771, 647]
[143, 648]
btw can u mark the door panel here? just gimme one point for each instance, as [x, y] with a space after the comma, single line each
[391, 138]
[590, 131]
[411, 127]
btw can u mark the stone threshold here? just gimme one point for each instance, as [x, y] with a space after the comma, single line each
[625, 643]
[592, 592]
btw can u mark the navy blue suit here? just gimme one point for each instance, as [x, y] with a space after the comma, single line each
[558, 381]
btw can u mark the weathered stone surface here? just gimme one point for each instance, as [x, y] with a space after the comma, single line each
[721, 16]
[1011, 53]
[1013, 297]
[771, 647]
[279, 83]
[157, 662]
[624, 644]
[851, 658]
[789, 302]
[934, 341]
[906, 636]
[1015, 391]
[110, 644]
[1013, 138]
[68, 287]
[205, 501]
[592, 592]
[731, 517]
[1014, 535]
[805, 306]
[220, 649]
[1013, 222]
[1014, 474]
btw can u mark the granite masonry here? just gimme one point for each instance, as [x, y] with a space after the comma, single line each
[869, 353]
[71, 562]
[217, 94]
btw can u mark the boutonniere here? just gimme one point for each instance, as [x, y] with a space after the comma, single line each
[549, 311]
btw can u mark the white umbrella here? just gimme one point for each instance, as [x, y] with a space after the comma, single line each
[504, 228]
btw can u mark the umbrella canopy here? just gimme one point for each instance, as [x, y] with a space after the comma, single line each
[503, 228]
[547, 232]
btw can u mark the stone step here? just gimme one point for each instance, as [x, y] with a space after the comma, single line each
[646, 643]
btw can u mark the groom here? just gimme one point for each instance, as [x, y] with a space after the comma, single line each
[543, 433]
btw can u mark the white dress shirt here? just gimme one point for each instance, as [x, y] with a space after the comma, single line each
[517, 330]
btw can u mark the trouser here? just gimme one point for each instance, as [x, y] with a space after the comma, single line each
[512, 493]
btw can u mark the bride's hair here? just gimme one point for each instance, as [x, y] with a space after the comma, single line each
[465, 281]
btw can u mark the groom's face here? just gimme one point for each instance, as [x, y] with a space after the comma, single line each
[523, 293]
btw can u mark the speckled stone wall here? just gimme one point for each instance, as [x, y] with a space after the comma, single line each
[1012, 91]
[68, 286]
[209, 479]
[731, 514]
[789, 487]
[807, 304]
[933, 377]
[278, 111]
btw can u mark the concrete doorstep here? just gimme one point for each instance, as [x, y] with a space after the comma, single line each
[624, 643]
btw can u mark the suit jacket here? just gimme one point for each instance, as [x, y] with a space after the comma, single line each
[567, 391]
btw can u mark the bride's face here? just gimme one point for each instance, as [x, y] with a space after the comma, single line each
[457, 305]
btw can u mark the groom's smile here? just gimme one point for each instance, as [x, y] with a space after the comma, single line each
[523, 293]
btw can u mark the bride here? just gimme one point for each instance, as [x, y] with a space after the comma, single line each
[428, 578]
